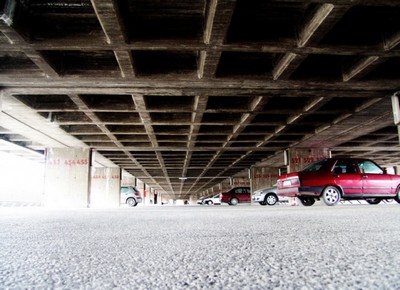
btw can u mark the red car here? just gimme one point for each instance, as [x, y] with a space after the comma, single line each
[334, 179]
[236, 195]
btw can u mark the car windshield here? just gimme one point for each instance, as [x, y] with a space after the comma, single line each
[315, 166]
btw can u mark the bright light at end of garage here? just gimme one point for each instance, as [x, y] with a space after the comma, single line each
[20, 179]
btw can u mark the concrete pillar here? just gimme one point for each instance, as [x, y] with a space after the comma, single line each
[262, 177]
[142, 188]
[298, 158]
[151, 196]
[147, 194]
[128, 180]
[105, 187]
[67, 177]
[396, 111]
[240, 181]
[225, 185]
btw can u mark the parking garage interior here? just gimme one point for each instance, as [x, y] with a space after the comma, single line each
[186, 96]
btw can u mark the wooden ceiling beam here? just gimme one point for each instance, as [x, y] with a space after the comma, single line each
[148, 125]
[218, 19]
[107, 12]
[362, 67]
[314, 27]
[17, 40]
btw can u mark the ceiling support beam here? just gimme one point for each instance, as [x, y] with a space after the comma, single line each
[17, 40]
[255, 106]
[314, 27]
[147, 123]
[199, 107]
[93, 117]
[218, 18]
[361, 68]
[107, 12]
[392, 41]
[311, 25]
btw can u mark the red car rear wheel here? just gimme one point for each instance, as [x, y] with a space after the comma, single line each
[331, 195]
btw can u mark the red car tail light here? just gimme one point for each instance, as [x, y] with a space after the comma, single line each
[295, 181]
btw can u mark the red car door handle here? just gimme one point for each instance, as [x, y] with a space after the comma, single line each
[365, 176]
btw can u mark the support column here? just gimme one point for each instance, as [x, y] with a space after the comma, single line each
[263, 177]
[240, 181]
[142, 188]
[225, 185]
[105, 187]
[67, 177]
[298, 158]
[396, 111]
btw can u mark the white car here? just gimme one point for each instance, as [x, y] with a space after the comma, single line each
[214, 199]
[201, 200]
[130, 195]
[268, 196]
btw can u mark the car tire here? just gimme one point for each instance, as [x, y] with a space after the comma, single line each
[331, 195]
[373, 200]
[131, 202]
[262, 203]
[397, 197]
[271, 199]
[209, 202]
[234, 201]
[307, 201]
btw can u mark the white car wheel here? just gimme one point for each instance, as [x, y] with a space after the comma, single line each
[331, 195]
[234, 201]
[131, 201]
[271, 199]
[397, 197]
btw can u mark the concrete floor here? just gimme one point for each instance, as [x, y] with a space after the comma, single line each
[201, 247]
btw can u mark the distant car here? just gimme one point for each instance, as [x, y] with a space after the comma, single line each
[334, 179]
[130, 195]
[214, 199]
[201, 200]
[268, 196]
[236, 195]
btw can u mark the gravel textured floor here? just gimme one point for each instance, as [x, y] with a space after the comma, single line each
[195, 247]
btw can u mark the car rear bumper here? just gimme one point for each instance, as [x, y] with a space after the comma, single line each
[301, 191]
[310, 190]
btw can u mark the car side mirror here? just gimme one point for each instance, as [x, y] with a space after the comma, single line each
[384, 170]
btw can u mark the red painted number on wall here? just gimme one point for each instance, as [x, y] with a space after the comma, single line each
[68, 162]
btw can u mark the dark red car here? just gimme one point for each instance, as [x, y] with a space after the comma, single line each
[334, 179]
[236, 195]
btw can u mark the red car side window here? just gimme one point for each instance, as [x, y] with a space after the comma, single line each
[345, 166]
[370, 167]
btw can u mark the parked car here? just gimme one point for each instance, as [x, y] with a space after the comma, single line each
[214, 199]
[130, 195]
[236, 195]
[334, 179]
[268, 196]
[201, 200]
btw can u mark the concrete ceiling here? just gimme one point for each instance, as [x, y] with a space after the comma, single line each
[202, 88]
